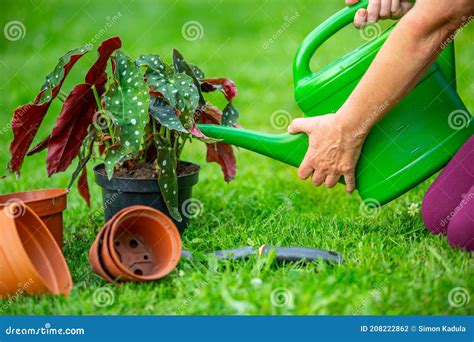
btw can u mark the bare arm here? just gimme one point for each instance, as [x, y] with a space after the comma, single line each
[337, 139]
[408, 53]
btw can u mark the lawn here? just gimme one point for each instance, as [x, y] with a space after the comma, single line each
[393, 265]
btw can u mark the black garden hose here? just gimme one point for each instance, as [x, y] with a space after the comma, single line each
[283, 254]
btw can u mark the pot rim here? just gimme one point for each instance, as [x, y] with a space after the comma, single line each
[60, 192]
[110, 267]
[56, 287]
[137, 185]
[144, 179]
[95, 251]
[114, 227]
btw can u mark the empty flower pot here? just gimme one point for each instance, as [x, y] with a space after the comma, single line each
[99, 256]
[95, 256]
[30, 259]
[48, 204]
[139, 243]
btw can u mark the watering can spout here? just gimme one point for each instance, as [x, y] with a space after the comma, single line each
[287, 148]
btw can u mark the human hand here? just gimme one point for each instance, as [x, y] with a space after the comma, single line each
[380, 9]
[333, 150]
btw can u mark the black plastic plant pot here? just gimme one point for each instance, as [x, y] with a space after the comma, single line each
[119, 193]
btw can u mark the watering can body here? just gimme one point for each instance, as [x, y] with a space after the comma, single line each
[415, 140]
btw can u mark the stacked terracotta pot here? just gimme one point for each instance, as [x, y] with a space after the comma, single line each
[31, 261]
[138, 243]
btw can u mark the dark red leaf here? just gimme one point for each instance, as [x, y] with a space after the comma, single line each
[226, 85]
[223, 154]
[78, 112]
[151, 153]
[83, 187]
[101, 148]
[209, 115]
[27, 119]
[70, 128]
[197, 132]
[105, 51]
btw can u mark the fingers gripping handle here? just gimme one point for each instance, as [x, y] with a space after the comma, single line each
[319, 35]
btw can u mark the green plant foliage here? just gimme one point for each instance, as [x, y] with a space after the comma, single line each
[145, 112]
[127, 100]
[167, 179]
[165, 114]
[56, 77]
[177, 88]
[229, 115]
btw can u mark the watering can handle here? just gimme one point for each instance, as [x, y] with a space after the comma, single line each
[319, 35]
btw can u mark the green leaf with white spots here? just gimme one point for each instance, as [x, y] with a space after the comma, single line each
[168, 181]
[55, 77]
[177, 88]
[197, 71]
[230, 115]
[165, 114]
[114, 157]
[127, 101]
[181, 66]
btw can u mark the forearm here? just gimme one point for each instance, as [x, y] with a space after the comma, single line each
[411, 49]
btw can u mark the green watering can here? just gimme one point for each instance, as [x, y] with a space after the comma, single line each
[409, 145]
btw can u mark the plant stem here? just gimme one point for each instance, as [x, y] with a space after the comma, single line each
[62, 96]
[96, 96]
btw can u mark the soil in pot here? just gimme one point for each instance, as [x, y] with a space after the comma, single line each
[48, 204]
[136, 184]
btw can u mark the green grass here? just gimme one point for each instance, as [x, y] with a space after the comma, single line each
[394, 266]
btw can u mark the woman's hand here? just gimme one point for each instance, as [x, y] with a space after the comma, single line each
[334, 148]
[380, 9]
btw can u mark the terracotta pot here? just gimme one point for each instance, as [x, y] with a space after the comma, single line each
[139, 244]
[48, 204]
[98, 254]
[30, 259]
[95, 256]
